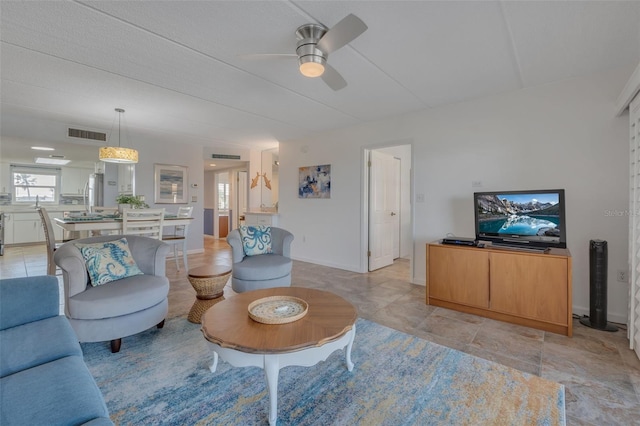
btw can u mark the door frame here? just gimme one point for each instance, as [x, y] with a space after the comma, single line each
[364, 203]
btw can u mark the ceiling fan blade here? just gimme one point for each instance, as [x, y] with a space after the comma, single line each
[342, 33]
[260, 56]
[333, 78]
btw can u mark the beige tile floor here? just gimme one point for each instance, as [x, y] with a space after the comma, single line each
[601, 375]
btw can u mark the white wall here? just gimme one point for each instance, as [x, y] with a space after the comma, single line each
[180, 155]
[562, 135]
[209, 189]
[255, 169]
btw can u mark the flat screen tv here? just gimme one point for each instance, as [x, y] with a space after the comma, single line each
[533, 219]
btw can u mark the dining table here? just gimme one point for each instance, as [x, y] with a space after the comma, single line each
[109, 223]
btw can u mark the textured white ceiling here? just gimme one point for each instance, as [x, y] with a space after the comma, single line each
[177, 67]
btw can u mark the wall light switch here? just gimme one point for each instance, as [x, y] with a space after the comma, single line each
[419, 198]
[194, 198]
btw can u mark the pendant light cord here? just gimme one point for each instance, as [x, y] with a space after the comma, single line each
[119, 116]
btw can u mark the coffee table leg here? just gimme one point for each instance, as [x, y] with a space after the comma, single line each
[214, 364]
[349, 346]
[271, 370]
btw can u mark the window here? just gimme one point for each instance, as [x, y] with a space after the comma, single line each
[29, 184]
[223, 196]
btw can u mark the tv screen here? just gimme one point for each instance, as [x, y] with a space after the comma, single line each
[532, 218]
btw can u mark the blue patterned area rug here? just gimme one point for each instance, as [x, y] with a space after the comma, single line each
[162, 377]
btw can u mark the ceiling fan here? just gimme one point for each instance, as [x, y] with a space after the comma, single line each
[316, 42]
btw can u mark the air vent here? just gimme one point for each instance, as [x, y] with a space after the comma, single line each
[225, 156]
[87, 134]
[56, 156]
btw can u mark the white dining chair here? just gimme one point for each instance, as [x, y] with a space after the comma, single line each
[144, 222]
[179, 237]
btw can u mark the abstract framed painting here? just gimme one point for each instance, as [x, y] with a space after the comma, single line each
[171, 183]
[314, 181]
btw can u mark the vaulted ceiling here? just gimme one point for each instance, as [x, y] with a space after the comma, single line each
[180, 70]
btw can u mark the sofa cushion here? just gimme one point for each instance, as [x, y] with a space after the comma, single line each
[36, 343]
[256, 240]
[121, 297]
[108, 261]
[265, 267]
[61, 392]
[28, 299]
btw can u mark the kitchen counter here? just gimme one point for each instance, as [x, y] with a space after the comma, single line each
[258, 217]
[49, 207]
[261, 212]
[23, 225]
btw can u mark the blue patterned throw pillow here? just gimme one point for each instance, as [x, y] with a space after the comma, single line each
[255, 239]
[108, 261]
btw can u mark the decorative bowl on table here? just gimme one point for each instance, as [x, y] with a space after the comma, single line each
[277, 309]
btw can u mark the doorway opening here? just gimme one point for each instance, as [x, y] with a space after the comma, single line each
[387, 207]
[241, 201]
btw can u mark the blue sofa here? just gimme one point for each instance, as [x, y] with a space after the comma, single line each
[43, 378]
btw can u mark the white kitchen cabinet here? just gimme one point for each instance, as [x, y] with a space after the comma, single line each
[8, 228]
[74, 179]
[5, 185]
[126, 178]
[27, 228]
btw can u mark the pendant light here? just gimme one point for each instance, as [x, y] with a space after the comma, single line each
[118, 154]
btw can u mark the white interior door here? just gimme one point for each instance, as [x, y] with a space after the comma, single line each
[382, 218]
[634, 228]
[395, 210]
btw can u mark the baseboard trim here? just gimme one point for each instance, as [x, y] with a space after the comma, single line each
[611, 317]
[329, 264]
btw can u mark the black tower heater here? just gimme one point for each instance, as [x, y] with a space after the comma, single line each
[598, 287]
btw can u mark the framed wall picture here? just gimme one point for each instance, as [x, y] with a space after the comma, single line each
[314, 181]
[171, 184]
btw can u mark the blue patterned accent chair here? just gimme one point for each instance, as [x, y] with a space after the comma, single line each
[133, 301]
[261, 258]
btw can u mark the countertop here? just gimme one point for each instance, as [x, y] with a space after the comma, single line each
[261, 212]
[50, 208]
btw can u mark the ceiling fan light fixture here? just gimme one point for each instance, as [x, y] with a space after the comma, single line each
[312, 66]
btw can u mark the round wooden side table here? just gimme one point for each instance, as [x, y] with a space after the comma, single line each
[208, 282]
[329, 325]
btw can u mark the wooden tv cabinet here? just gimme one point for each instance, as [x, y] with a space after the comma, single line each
[526, 288]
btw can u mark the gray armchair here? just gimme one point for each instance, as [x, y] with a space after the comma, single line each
[261, 271]
[120, 308]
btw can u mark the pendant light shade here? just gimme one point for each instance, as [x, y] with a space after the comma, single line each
[118, 154]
